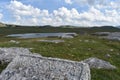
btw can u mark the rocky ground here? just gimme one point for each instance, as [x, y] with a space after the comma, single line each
[23, 65]
[109, 35]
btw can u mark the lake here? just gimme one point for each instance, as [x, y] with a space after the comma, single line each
[43, 35]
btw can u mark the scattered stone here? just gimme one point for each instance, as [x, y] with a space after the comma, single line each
[98, 63]
[101, 33]
[69, 36]
[111, 50]
[30, 48]
[109, 35]
[89, 49]
[13, 41]
[108, 55]
[27, 67]
[86, 40]
[52, 41]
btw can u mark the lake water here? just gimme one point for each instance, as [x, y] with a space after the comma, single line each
[41, 35]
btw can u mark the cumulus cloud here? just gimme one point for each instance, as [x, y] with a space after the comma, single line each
[20, 11]
[26, 14]
[29, 15]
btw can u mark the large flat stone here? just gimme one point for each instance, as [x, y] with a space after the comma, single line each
[30, 67]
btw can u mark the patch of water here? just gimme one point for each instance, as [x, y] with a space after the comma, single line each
[41, 35]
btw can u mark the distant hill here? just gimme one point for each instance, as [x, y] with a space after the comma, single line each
[65, 27]
[105, 28]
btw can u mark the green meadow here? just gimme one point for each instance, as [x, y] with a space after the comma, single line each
[81, 47]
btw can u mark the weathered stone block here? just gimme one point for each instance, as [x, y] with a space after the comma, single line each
[30, 67]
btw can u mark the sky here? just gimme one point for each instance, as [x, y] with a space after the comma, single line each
[60, 12]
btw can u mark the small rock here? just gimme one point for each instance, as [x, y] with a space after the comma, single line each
[13, 41]
[98, 63]
[86, 40]
[89, 49]
[111, 50]
[108, 55]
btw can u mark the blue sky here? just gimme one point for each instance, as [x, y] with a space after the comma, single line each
[60, 12]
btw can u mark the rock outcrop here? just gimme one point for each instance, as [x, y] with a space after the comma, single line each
[109, 35]
[26, 67]
[7, 54]
[98, 63]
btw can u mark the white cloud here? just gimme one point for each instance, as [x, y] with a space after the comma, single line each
[68, 1]
[29, 15]
[24, 10]
[26, 14]
[91, 17]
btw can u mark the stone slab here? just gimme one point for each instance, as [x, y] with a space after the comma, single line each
[30, 67]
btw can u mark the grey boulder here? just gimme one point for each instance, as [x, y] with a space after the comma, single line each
[98, 63]
[30, 67]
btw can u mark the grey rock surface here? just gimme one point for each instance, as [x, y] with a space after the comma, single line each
[109, 35]
[7, 54]
[30, 67]
[98, 63]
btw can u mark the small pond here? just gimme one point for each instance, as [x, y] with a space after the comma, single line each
[43, 35]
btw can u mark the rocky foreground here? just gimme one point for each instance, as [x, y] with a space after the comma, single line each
[23, 65]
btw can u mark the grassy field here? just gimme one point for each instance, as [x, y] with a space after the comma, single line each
[78, 48]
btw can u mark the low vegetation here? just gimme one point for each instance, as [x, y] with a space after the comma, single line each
[78, 48]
